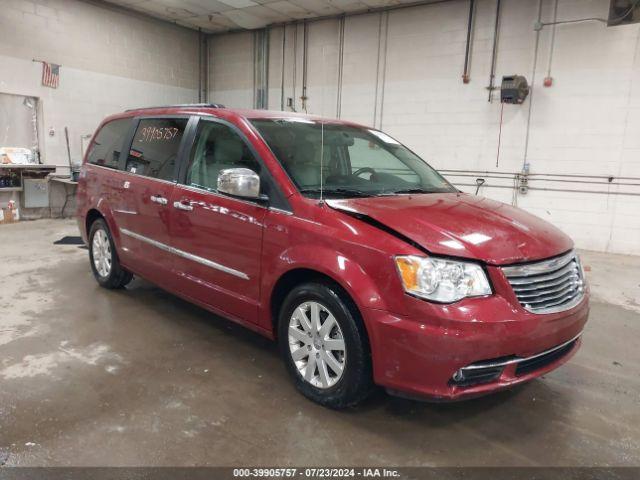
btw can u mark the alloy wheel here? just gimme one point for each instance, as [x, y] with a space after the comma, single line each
[317, 345]
[101, 252]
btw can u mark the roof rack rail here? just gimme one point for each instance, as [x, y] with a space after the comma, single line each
[205, 105]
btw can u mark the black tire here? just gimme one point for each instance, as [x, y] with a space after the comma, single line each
[116, 277]
[356, 382]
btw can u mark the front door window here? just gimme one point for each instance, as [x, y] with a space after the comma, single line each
[217, 147]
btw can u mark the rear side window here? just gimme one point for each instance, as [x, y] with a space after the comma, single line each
[105, 150]
[154, 150]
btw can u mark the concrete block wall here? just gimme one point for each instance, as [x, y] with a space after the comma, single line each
[401, 71]
[111, 60]
[231, 69]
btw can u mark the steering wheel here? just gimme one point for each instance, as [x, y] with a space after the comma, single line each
[362, 170]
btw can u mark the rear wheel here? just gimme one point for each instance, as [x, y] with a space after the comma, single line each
[324, 346]
[104, 259]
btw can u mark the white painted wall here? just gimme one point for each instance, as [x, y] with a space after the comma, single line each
[408, 82]
[110, 61]
[231, 69]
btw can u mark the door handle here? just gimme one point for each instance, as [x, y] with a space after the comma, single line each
[183, 205]
[159, 199]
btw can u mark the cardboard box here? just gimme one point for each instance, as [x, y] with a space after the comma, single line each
[9, 215]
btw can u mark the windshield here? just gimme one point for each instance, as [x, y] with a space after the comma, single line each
[356, 161]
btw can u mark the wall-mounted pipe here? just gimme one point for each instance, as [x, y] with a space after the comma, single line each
[199, 65]
[467, 50]
[563, 190]
[265, 65]
[533, 89]
[494, 52]
[295, 68]
[261, 68]
[340, 67]
[384, 68]
[552, 43]
[486, 173]
[305, 64]
[375, 96]
[556, 180]
[209, 66]
[284, 43]
[203, 67]
[256, 79]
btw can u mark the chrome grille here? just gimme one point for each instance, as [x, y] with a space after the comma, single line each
[548, 286]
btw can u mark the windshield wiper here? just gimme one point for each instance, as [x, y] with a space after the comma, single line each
[338, 191]
[413, 190]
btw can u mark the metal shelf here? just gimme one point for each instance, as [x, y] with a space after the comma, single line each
[10, 189]
[16, 166]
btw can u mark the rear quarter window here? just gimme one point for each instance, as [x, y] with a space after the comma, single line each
[106, 148]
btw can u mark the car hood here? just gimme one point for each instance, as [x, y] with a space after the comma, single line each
[463, 225]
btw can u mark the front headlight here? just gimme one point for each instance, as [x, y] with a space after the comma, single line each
[441, 280]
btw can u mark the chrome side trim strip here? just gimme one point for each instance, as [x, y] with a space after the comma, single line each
[279, 210]
[147, 177]
[126, 172]
[126, 212]
[477, 366]
[219, 195]
[183, 254]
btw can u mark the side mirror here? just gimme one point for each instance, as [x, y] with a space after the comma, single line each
[239, 182]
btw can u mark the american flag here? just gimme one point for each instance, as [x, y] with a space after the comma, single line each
[50, 74]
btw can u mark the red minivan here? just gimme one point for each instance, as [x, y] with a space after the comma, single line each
[366, 265]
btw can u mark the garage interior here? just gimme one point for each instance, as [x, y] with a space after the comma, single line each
[90, 377]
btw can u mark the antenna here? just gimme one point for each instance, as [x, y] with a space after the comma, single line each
[321, 159]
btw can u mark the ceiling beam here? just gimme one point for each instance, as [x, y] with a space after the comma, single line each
[336, 16]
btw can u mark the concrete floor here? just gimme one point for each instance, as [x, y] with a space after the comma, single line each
[139, 377]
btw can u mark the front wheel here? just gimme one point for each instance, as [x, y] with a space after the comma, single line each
[104, 259]
[324, 346]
